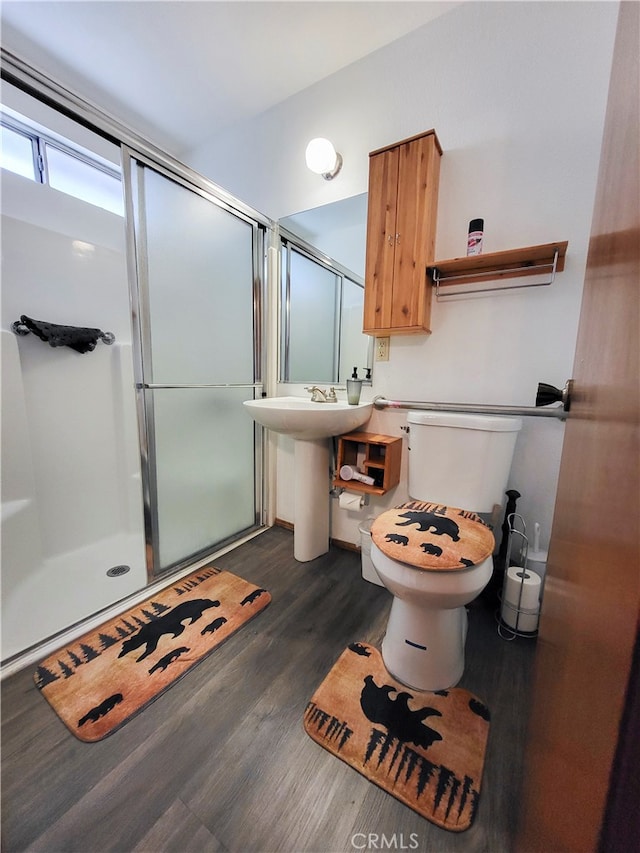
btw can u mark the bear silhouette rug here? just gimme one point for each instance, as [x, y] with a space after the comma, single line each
[99, 681]
[426, 749]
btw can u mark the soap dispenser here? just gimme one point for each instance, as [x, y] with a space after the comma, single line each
[354, 387]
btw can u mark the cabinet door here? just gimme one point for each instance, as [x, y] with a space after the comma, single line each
[381, 236]
[401, 224]
[415, 234]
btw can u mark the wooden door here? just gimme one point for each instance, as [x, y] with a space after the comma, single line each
[418, 178]
[381, 231]
[581, 782]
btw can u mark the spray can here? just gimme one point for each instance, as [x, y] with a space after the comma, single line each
[474, 239]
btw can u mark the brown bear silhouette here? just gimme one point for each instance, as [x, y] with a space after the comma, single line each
[397, 538]
[213, 626]
[164, 662]
[94, 714]
[430, 521]
[401, 721]
[170, 623]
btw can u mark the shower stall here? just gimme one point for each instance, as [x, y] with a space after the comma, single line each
[128, 463]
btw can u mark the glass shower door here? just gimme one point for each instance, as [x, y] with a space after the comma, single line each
[199, 301]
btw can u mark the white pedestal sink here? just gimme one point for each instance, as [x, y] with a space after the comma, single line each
[310, 425]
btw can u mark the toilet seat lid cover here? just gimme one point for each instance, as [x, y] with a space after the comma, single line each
[432, 536]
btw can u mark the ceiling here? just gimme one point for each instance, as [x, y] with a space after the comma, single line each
[179, 72]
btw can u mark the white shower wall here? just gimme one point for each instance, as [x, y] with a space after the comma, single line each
[71, 486]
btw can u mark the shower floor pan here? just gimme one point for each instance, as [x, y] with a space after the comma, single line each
[67, 589]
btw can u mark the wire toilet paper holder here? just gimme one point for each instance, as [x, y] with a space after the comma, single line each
[506, 631]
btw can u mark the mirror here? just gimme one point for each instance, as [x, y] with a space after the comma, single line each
[322, 293]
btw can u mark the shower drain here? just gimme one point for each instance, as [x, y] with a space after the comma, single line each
[116, 571]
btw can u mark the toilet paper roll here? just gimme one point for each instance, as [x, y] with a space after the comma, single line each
[521, 599]
[349, 501]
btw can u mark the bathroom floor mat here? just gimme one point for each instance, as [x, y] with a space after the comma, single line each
[98, 682]
[425, 749]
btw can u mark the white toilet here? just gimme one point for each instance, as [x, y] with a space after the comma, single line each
[434, 554]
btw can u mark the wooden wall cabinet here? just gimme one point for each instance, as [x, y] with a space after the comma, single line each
[401, 230]
[380, 457]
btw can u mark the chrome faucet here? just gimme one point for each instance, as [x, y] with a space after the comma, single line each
[320, 396]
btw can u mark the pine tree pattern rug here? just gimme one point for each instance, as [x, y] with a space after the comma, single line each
[425, 749]
[97, 683]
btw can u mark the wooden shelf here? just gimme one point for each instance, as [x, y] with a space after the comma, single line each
[380, 457]
[470, 270]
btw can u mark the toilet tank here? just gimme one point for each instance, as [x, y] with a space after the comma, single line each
[460, 460]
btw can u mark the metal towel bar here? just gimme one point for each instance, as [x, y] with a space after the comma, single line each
[560, 412]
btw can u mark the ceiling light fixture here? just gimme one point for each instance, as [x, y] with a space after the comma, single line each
[323, 159]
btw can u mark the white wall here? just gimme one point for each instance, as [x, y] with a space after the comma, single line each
[516, 93]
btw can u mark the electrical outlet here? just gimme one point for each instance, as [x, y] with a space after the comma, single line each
[382, 349]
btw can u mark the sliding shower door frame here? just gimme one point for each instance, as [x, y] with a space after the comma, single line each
[140, 306]
[36, 83]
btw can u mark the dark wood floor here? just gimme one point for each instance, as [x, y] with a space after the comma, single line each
[221, 761]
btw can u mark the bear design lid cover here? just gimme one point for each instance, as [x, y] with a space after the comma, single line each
[432, 536]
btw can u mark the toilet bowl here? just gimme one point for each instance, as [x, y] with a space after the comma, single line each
[436, 557]
[434, 560]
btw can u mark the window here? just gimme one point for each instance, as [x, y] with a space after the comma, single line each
[82, 179]
[17, 153]
[34, 155]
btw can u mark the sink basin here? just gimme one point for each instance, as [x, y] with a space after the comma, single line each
[303, 420]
